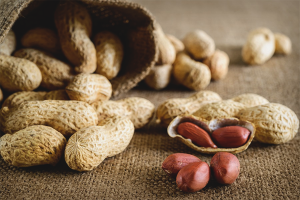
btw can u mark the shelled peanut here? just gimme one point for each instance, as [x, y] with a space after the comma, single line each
[262, 43]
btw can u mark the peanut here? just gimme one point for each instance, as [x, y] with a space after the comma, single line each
[55, 73]
[171, 108]
[57, 95]
[190, 73]
[109, 54]
[178, 45]
[88, 147]
[221, 109]
[283, 44]
[9, 44]
[34, 145]
[250, 100]
[89, 88]
[175, 162]
[43, 39]
[66, 117]
[74, 27]
[18, 74]
[196, 134]
[20, 97]
[1, 95]
[218, 64]
[275, 123]
[159, 77]
[259, 47]
[166, 51]
[199, 44]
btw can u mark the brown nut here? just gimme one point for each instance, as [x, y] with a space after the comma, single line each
[175, 162]
[209, 127]
[225, 167]
[230, 136]
[193, 177]
[196, 134]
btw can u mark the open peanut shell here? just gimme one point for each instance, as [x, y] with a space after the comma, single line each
[209, 127]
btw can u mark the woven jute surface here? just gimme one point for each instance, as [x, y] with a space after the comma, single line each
[267, 171]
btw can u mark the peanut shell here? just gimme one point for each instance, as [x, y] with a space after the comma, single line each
[218, 64]
[18, 74]
[20, 97]
[283, 44]
[66, 117]
[88, 147]
[89, 88]
[57, 95]
[159, 77]
[178, 44]
[9, 43]
[209, 127]
[1, 95]
[275, 123]
[250, 100]
[34, 145]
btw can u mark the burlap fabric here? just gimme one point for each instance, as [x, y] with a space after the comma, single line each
[267, 171]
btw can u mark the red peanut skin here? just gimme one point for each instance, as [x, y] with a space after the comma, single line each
[193, 177]
[225, 167]
[175, 162]
[230, 136]
[196, 134]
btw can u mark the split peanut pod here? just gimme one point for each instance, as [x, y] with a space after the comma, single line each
[89, 88]
[43, 39]
[55, 73]
[275, 123]
[220, 109]
[9, 44]
[88, 147]
[172, 108]
[74, 26]
[209, 127]
[19, 97]
[259, 47]
[18, 74]
[190, 73]
[159, 77]
[250, 100]
[66, 117]
[34, 145]
[109, 54]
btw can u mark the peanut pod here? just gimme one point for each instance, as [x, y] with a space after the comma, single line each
[9, 43]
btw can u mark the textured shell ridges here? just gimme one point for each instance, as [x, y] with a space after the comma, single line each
[35, 145]
[66, 117]
[20, 97]
[250, 100]
[274, 122]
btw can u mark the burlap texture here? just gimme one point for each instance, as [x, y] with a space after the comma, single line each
[267, 171]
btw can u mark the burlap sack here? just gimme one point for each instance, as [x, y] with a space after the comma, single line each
[130, 21]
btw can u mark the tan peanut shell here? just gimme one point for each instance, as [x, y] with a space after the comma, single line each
[218, 64]
[259, 47]
[57, 95]
[109, 109]
[172, 108]
[220, 109]
[55, 73]
[20, 97]
[9, 43]
[199, 44]
[109, 54]
[89, 88]
[166, 50]
[250, 100]
[74, 27]
[88, 147]
[178, 44]
[34, 145]
[1, 95]
[18, 74]
[275, 123]
[66, 117]
[283, 44]
[190, 73]
[209, 127]
[43, 39]
[142, 110]
[159, 77]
